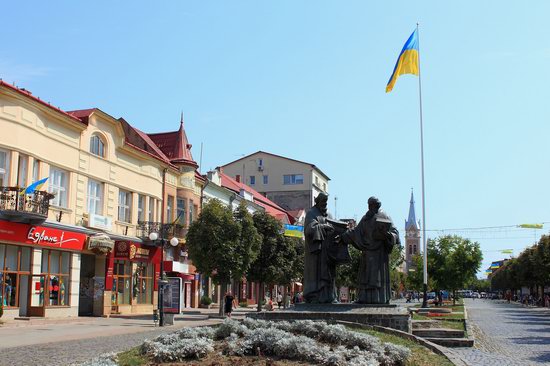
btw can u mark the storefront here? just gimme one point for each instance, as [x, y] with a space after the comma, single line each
[39, 270]
[131, 280]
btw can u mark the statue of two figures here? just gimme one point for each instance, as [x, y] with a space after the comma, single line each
[327, 246]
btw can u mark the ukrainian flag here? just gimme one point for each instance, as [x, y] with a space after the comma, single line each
[407, 62]
[35, 186]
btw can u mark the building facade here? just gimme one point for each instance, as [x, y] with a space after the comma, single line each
[290, 183]
[79, 245]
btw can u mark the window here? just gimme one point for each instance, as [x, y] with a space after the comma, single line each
[56, 268]
[169, 209]
[252, 180]
[266, 179]
[191, 211]
[317, 181]
[181, 211]
[22, 170]
[124, 206]
[293, 179]
[414, 250]
[13, 272]
[58, 185]
[97, 147]
[324, 187]
[95, 197]
[121, 282]
[151, 213]
[35, 170]
[143, 283]
[141, 207]
[410, 250]
[4, 168]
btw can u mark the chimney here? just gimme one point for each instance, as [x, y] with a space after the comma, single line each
[238, 178]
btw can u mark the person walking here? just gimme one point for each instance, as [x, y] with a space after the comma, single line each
[279, 300]
[229, 303]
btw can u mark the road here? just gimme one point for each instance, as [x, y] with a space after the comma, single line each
[507, 334]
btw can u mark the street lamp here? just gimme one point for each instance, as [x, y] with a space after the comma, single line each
[153, 236]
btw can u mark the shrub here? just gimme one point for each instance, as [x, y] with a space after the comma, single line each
[205, 300]
[243, 304]
[107, 359]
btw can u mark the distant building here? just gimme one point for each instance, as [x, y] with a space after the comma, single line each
[290, 183]
[412, 236]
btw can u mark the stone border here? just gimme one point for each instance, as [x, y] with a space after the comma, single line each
[467, 327]
[440, 350]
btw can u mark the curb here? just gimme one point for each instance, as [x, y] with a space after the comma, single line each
[455, 360]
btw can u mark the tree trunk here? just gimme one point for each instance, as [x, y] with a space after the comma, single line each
[224, 288]
[454, 297]
[260, 296]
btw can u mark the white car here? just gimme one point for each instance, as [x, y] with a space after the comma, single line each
[476, 295]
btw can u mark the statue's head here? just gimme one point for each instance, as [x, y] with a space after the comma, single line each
[321, 201]
[374, 204]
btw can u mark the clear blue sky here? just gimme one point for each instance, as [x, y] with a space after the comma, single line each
[306, 79]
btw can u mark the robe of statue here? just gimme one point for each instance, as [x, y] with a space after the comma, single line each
[319, 271]
[376, 241]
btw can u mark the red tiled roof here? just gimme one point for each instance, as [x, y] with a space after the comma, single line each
[175, 146]
[29, 95]
[270, 207]
[83, 114]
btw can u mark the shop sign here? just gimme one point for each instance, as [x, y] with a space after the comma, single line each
[101, 243]
[132, 251]
[41, 236]
[100, 222]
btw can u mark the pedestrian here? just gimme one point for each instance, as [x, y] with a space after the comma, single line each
[229, 303]
[279, 300]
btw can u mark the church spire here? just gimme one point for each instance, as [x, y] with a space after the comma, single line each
[181, 121]
[411, 221]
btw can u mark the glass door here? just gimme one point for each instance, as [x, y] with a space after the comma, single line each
[38, 295]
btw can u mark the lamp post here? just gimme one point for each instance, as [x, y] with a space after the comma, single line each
[174, 243]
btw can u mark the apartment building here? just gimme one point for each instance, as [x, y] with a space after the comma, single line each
[290, 183]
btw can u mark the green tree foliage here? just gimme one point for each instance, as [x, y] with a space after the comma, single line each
[276, 256]
[346, 274]
[415, 278]
[249, 241]
[531, 269]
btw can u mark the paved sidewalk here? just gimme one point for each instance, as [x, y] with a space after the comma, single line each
[54, 343]
[506, 334]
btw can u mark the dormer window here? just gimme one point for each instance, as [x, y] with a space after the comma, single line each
[97, 146]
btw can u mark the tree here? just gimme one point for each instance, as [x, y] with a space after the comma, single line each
[220, 244]
[276, 254]
[249, 241]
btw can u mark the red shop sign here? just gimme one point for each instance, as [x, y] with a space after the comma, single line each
[134, 251]
[41, 236]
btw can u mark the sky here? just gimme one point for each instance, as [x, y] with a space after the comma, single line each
[306, 80]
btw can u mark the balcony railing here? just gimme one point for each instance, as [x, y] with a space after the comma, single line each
[29, 208]
[166, 231]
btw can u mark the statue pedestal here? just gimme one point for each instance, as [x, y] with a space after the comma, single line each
[390, 315]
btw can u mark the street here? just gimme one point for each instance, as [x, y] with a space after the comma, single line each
[506, 334]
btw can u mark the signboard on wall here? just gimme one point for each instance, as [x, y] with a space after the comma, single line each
[172, 296]
[132, 251]
[41, 236]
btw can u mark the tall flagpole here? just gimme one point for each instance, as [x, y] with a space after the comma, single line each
[425, 300]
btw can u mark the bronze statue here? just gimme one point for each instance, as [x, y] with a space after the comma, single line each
[375, 236]
[322, 254]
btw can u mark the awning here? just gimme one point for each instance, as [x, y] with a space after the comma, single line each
[298, 283]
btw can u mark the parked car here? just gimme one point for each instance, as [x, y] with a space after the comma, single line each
[483, 295]
[476, 295]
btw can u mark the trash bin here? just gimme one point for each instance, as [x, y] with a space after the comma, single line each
[168, 319]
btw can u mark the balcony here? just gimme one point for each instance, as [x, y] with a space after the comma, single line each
[166, 231]
[24, 208]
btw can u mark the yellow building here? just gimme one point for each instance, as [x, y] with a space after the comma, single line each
[85, 250]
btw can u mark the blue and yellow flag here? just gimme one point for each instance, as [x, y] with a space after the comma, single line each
[407, 62]
[35, 186]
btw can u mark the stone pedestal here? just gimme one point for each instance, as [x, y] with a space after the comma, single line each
[390, 316]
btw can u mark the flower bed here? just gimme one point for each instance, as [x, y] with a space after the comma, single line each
[306, 341]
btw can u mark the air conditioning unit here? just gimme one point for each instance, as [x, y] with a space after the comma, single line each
[260, 168]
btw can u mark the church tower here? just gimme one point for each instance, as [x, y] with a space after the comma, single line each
[412, 236]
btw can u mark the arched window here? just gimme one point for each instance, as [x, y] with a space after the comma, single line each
[97, 147]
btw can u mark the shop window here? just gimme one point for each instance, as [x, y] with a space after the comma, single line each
[15, 265]
[58, 184]
[56, 267]
[95, 197]
[181, 212]
[4, 168]
[121, 283]
[97, 146]
[143, 283]
[124, 206]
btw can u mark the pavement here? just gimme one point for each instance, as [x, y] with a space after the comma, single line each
[56, 342]
[506, 334]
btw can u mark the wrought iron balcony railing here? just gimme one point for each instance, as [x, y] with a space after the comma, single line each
[16, 206]
[166, 231]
